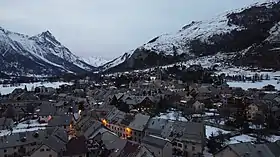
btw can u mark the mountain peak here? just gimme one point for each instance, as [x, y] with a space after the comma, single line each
[46, 34]
[46, 37]
[39, 54]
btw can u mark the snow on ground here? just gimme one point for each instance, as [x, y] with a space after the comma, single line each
[273, 138]
[245, 71]
[10, 89]
[216, 121]
[172, 115]
[210, 129]
[32, 123]
[258, 85]
[206, 114]
[25, 127]
[8, 132]
[241, 139]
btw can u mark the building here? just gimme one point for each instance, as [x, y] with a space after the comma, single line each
[127, 126]
[21, 143]
[64, 121]
[45, 90]
[76, 147]
[198, 106]
[188, 138]
[159, 146]
[251, 111]
[137, 127]
[245, 150]
[50, 147]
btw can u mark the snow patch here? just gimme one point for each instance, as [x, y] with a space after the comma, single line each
[258, 85]
[241, 139]
[214, 130]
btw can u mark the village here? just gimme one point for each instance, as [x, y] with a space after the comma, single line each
[146, 117]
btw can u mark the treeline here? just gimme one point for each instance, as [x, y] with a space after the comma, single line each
[193, 73]
[255, 78]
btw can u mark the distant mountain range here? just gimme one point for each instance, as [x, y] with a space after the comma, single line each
[96, 61]
[251, 37]
[252, 34]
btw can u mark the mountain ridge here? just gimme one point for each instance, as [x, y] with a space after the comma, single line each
[232, 32]
[39, 54]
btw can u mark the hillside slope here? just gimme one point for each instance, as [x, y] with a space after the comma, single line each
[247, 31]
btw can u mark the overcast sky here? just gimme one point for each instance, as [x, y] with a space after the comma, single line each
[107, 28]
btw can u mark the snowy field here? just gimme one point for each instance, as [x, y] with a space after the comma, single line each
[30, 86]
[258, 85]
[25, 127]
[172, 115]
[273, 138]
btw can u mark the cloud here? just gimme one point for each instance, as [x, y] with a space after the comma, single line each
[107, 28]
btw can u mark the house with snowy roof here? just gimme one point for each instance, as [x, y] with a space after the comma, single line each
[159, 146]
[187, 137]
[246, 150]
[20, 143]
[138, 126]
[109, 144]
[50, 147]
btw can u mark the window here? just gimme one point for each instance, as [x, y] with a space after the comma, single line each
[64, 126]
[15, 147]
[186, 146]
[5, 155]
[41, 150]
[5, 150]
[193, 148]
[50, 155]
[48, 149]
[180, 145]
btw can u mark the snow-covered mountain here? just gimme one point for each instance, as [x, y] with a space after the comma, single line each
[115, 62]
[242, 31]
[40, 54]
[96, 61]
